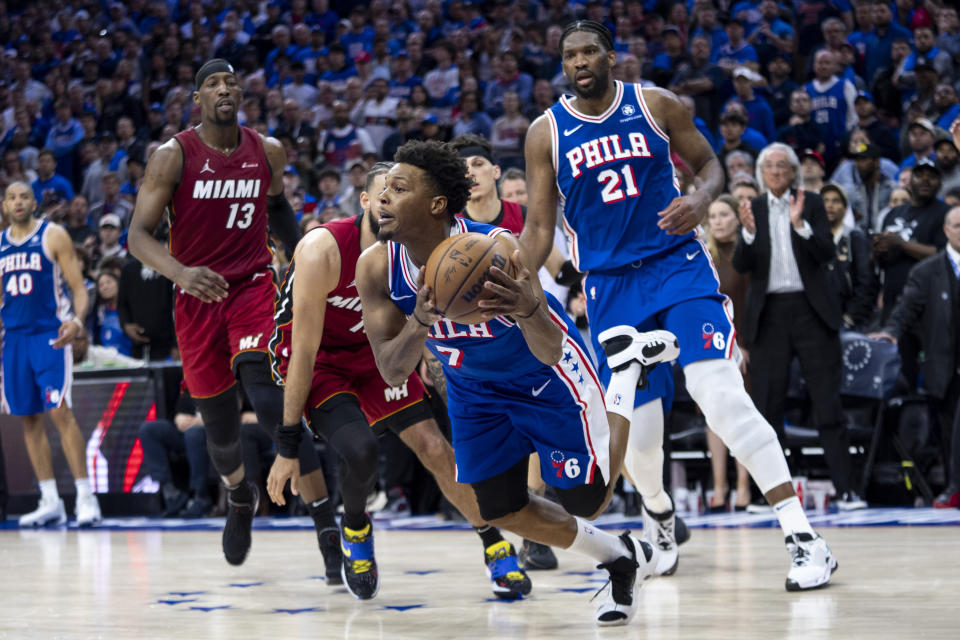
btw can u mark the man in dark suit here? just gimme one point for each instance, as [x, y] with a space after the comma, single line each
[791, 310]
[930, 302]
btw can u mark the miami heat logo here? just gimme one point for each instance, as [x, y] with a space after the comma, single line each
[556, 459]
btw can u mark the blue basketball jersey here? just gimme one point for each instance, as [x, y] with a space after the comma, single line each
[829, 109]
[33, 294]
[614, 174]
[478, 351]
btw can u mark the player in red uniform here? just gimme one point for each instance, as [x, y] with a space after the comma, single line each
[222, 182]
[331, 379]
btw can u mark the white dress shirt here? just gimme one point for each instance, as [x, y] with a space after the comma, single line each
[784, 274]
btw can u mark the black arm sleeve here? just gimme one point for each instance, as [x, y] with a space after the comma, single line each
[283, 223]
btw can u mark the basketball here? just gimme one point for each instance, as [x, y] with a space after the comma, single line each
[457, 269]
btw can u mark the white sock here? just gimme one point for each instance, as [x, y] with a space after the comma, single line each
[594, 543]
[659, 503]
[791, 516]
[83, 488]
[622, 390]
[48, 490]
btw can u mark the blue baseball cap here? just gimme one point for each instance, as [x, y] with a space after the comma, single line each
[865, 95]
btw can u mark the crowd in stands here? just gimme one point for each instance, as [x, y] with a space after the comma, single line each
[865, 91]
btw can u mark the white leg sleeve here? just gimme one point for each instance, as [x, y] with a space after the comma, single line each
[717, 388]
[644, 457]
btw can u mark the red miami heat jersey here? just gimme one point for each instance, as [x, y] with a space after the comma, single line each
[343, 317]
[512, 217]
[219, 212]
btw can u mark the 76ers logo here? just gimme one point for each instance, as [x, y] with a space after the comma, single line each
[712, 337]
[569, 467]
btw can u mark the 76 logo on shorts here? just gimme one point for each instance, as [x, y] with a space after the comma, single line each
[563, 465]
[712, 337]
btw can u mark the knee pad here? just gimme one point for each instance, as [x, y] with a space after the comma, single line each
[585, 500]
[646, 427]
[717, 388]
[221, 421]
[503, 494]
[344, 426]
[264, 393]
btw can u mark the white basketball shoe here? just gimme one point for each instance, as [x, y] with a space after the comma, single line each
[49, 511]
[812, 562]
[660, 530]
[88, 511]
[627, 574]
[623, 344]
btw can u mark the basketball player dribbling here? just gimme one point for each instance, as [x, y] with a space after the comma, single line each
[320, 351]
[520, 382]
[222, 182]
[606, 152]
[38, 327]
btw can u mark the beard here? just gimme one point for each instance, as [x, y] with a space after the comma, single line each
[224, 121]
[600, 85]
[384, 236]
[373, 225]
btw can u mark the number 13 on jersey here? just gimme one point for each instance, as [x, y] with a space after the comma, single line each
[246, 210]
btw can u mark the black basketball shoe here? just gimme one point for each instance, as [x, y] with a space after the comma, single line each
[236, 531]
[329, 540]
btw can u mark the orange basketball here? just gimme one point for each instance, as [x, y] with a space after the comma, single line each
[457, 269]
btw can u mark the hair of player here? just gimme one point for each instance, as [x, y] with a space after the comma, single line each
[445, 168]
[377, 169]
[18, 183]
[590, 26]
[471, 140]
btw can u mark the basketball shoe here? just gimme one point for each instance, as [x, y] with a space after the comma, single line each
[509, 580]
[660, 531]
[623, 344]
[50, 511]
[812, 562]
[236, 530]
[329, 541]
[537, 557]
[359, 568]
[88, 511]
[627, 573]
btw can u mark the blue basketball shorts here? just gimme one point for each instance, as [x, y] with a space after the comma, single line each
[36, 377]
[558, 412]
[677, 291]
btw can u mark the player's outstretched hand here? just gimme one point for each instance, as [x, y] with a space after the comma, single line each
[203, 283]
[283, 469]
[746, 216]
[506, 296]
[681, 216]
[65, 335]
[426, 310]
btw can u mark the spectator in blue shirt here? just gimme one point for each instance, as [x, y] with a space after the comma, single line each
[758, 110]
[509, 78]
[360, 37]
[771, 35]
[736, 52]
[50, 188]
[884, 32]
[707, 25]
[282, 46]
[921, 135]
[64, 134]
[947, 104]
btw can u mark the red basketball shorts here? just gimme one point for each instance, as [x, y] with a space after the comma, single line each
[212, 334]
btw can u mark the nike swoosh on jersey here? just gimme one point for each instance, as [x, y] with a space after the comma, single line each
[691, 256]
[404, 297]
[567, 132]
[537, 392]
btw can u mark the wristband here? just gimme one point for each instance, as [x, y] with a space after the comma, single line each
[288, 439]
[420, 322]
[530, 315]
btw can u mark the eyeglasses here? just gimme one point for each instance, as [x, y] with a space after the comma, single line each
[781, 166]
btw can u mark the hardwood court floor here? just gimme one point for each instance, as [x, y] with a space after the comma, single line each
[893, 582]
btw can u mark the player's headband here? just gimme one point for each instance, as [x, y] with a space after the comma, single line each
[217, 65]
[475, 150]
